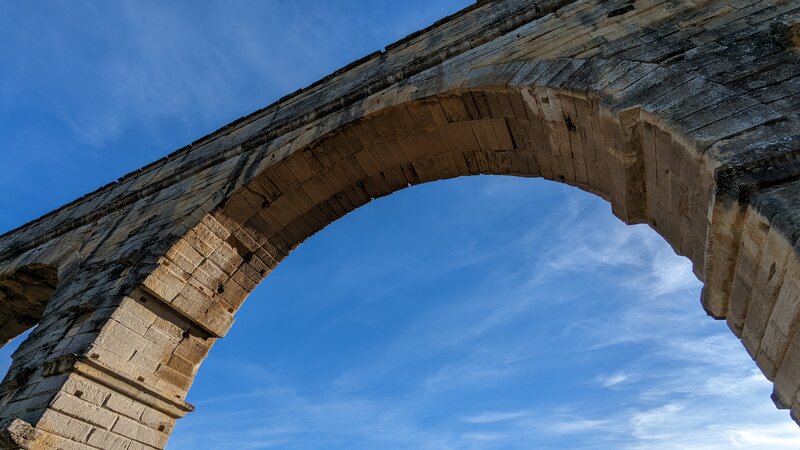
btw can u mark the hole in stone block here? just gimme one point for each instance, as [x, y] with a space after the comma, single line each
[161, 428]
[94, 356]
[220, 289]
[620, 11]
[570, 124]
[262, 272]
[79, 394]
[140, 378]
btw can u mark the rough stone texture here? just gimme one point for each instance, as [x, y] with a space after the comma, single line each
[683, 114]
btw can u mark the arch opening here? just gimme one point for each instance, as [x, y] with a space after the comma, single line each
[646, 174]
[24, 293]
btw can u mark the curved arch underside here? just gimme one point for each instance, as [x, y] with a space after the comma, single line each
[539, 132]
[669, 112]
[23, 296]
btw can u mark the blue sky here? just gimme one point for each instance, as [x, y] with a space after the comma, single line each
[485, 313]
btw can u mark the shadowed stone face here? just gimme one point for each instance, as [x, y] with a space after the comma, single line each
[682, 114]
[23, 295]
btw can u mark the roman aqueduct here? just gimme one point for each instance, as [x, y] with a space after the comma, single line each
[683, 114]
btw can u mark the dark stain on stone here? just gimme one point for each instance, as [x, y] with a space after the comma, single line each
[787, 35]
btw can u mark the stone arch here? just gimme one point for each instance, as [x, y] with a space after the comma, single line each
[490, 120]
[512, 119]
[609, 127]
[24, 293]
[683, 116]
[603, 131]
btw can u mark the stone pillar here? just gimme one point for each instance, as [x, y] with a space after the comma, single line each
[108, 367]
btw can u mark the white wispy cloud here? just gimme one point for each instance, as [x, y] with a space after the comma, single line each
[493, 417]
[149, 66]
[616, 379]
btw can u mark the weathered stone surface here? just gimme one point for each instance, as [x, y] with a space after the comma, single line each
[682, 114]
